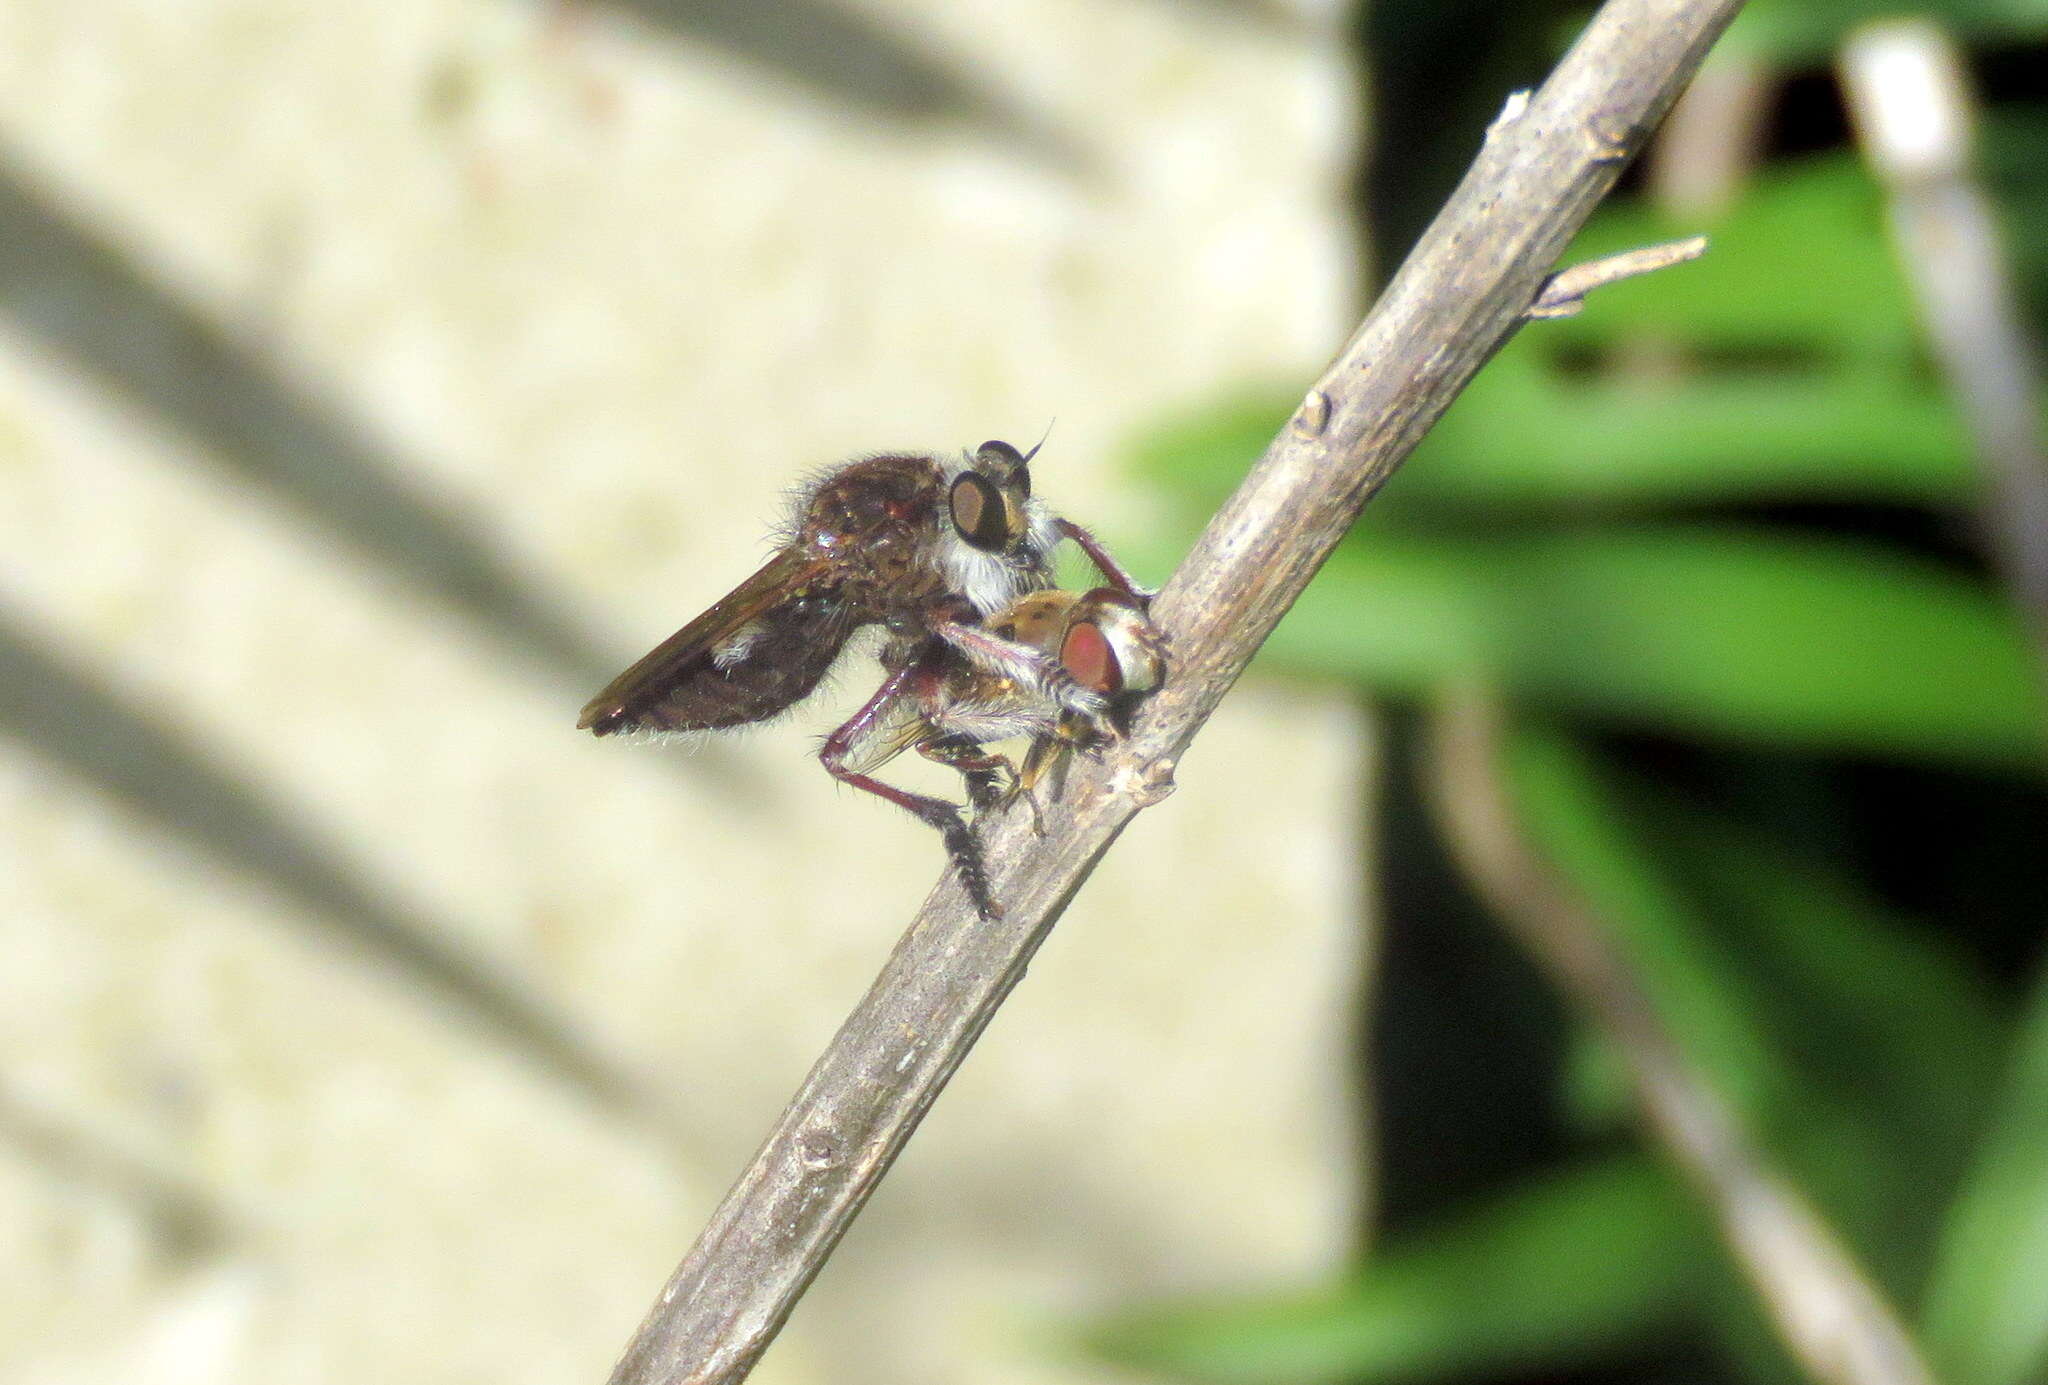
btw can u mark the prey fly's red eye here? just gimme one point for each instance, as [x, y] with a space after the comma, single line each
[1087, 654]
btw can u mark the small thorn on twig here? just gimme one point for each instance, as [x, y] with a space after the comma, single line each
[1511, 110]
[1147, 786]
[1608, 135]
[1564, 292]
[1313, 416]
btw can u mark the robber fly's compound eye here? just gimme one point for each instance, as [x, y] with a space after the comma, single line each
[982, 514]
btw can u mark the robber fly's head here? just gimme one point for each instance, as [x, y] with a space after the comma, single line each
[989, 499]
[1002, 540]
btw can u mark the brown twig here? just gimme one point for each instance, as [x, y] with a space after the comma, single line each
[1912, 105]
[1468, 284]
[1827, 1312]
[1563, 294]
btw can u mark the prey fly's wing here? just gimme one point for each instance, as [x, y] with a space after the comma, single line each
[902, 728]
[758, 651]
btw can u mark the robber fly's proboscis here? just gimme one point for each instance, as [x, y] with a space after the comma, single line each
[954, 560]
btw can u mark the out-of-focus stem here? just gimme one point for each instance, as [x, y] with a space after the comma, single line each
[1833, 1320]
[1703, 156]
[1910, 99]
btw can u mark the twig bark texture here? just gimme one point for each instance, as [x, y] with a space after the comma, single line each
[1469, 282]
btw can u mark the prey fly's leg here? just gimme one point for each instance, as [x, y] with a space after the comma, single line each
[1109, 567]
[936, 813]
[1047, 753]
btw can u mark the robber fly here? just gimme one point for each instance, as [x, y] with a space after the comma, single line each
[925, 547]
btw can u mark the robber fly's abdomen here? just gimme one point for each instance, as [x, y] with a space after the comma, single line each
[757, 652]
[785, 653]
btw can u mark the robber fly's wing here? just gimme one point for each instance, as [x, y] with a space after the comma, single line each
[758, 651]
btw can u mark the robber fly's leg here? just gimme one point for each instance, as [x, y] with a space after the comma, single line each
[936, 813]
[1021, 664]
[991, 779]
[1111, 570]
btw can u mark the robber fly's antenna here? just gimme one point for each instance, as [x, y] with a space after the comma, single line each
[1017, 459]
[1041, 440]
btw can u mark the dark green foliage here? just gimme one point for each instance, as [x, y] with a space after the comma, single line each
[1597, 1255]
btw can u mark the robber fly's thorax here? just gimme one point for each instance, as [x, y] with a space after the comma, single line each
[871, 526]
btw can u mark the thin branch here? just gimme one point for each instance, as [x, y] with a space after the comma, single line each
[1563, 294]
[1836, 1323]
[1911, 100]
[1461, 294]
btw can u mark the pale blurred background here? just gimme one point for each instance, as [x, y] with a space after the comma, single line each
[374, 382]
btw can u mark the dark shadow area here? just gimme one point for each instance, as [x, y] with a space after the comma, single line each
[65, 717]
[93, 306]
[1439, 75]
[189, 1220]
[853, 60]
[1466, 1037]
[89, 303]
[1957, 853]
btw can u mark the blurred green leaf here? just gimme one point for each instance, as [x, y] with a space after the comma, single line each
[1987, 1304]
[1798, 378]
[1593, 1083]
[1567, 1269]
[1855, 1052]
[1525, 435]
[1863, 999]
[1730, 634]
[1695, 980]
[1879, 1035]
[2018, 176]
[1802, 260]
